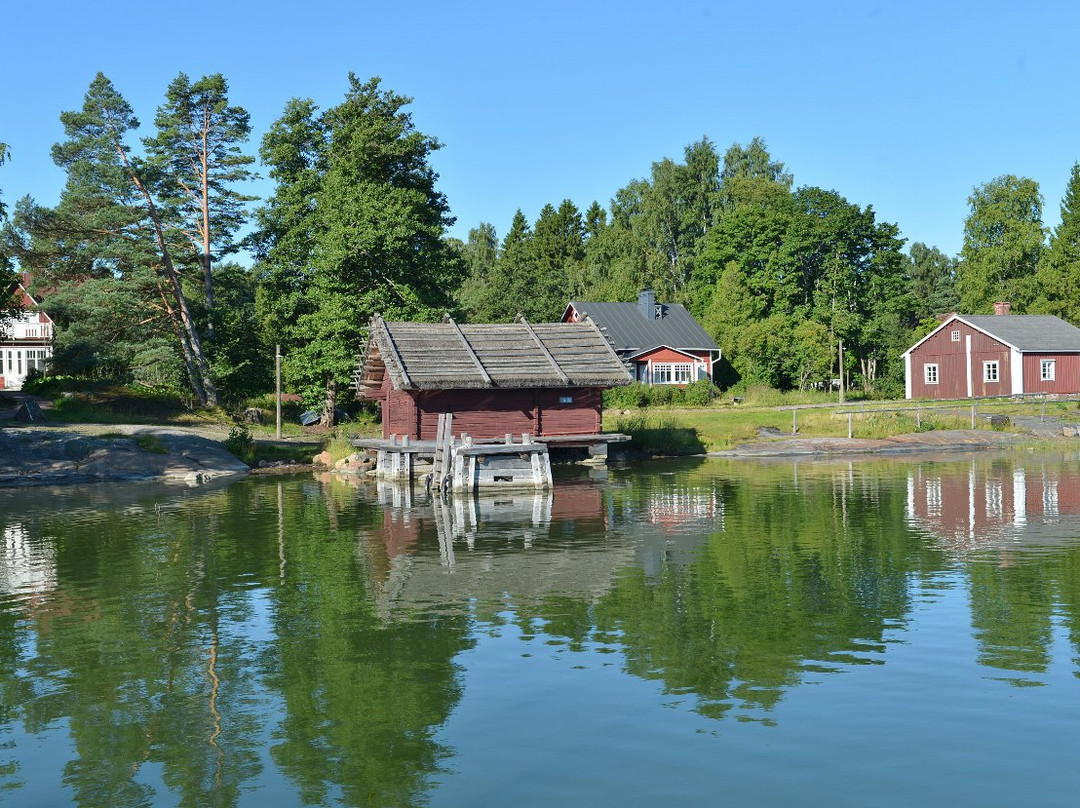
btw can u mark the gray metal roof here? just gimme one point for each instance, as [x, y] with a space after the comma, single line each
[448, 356]
[1028, 332]
[631, 332]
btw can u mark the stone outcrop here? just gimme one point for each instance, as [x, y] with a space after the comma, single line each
[40, 456]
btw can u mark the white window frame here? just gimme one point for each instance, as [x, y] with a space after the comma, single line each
[954, 336]
[1047, 369]
[672, 372]
[991, 371]
[930, 372]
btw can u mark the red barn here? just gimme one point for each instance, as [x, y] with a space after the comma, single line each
[544, 379]
[994, 355]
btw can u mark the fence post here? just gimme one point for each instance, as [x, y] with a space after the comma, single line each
[918, 416]
[849, 424]
[1042, 416]
[973, 415]
[794, 420]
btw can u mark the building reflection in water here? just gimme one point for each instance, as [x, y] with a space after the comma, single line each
[27, 567]
[509, 546]
[981, 505]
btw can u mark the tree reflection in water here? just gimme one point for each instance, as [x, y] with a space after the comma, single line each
[305, 636]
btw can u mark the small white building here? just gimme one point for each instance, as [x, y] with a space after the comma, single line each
[25, 342]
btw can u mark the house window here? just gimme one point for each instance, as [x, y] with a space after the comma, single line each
[990, 371]
[955, 336]
[931, 373]
[1046, 370]
[673, 373]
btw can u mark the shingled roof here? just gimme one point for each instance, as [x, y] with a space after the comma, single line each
[448, 356]
[1027, 333]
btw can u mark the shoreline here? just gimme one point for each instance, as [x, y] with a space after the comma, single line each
[76, 454]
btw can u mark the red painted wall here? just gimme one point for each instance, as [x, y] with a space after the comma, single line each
[491, 413]
[1066, 373]
[666, 355]
[951, 360]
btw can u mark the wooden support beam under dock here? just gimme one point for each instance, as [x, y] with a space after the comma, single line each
[514, 461]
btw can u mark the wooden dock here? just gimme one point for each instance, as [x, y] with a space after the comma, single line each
[463, 463]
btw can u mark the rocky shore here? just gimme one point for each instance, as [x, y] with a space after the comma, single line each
[33, 456]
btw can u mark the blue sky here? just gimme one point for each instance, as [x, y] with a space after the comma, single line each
[906, 106]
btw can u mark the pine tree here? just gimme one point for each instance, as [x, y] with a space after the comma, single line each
[1059, 273]
[197, 162]
[364, 234]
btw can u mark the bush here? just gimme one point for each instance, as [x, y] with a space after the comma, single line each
[240, 444]
[700, 393]
[631, 395]
[663, 394]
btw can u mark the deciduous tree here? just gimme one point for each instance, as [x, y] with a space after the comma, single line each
[1004, 240]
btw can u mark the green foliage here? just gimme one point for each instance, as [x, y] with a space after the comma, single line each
[932, 281]
[631, 395]
[658, 436]
[1058, 275]
[116, 404]
[125, 221]
[638, 394]
[241, 444]
[1003, 244]
[665, 394]
[355, 228]
[700, 393]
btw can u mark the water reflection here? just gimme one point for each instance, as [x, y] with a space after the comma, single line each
[1018, 524]
[311, 640]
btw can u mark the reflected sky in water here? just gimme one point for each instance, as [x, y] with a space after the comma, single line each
[813, 633]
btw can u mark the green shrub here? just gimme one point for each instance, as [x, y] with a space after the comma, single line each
[241, 444]
[700, 393]
[663, 394]
[632, 395]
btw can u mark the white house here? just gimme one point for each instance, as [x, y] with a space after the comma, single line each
[25, 341]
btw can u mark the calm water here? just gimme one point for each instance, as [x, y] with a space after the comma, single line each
[707, 632]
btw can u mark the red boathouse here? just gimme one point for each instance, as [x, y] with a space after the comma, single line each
[544, 379]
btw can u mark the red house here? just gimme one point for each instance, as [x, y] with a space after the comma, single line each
[543, 379]
[998, 354]
[662, 342]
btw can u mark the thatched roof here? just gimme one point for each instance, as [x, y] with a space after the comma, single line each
[448, 356]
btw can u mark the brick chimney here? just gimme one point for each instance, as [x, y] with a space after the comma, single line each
[1002, 307]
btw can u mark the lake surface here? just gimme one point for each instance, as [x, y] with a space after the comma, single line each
[685, 633]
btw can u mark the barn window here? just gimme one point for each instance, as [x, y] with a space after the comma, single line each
[955, 336]
[1046, 370]
[990, 371]
[931, 373]
[566, 399]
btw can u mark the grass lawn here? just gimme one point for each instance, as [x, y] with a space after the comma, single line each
[675, 430]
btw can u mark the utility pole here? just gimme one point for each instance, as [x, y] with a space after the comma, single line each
[841, 344]
[277, 385]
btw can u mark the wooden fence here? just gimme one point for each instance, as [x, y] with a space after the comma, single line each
[958, 407]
